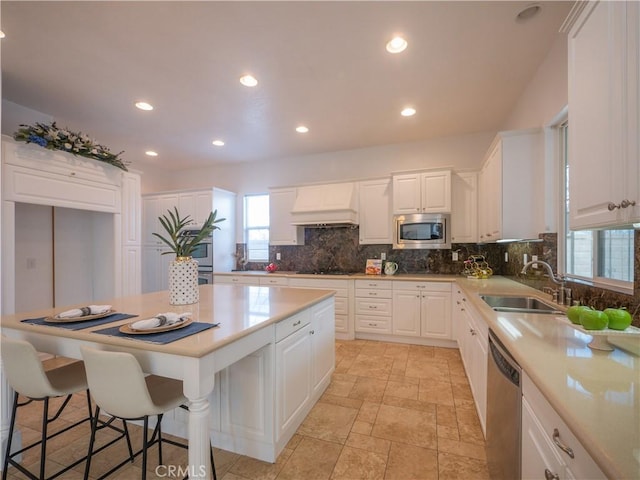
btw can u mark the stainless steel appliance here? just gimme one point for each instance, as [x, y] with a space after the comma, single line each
[203, 253]
[504, 403]
[422, 230]
[205, 278]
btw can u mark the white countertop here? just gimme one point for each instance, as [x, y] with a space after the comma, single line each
[596, 393]
[239, 309]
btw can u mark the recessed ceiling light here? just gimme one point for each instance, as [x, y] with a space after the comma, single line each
[396, 45]
[151, 153]
[408, 112]
[144, 106]
[528, 12]
[218, 143]
[302, 129]
[248, 81]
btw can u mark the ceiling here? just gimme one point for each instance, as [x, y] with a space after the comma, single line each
[321, 64]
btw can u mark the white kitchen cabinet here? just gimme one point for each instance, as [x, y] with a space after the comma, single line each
[155, 271]
[344, 302]
[552, 439]
[131, 270]
[332, 203]
[604, 112]
[153, 207]
[373, 306]
[424, 192]
[473, 340]
[323, 347]
[422, 309]
[294, 375]
[131, 209]
[511, 188]
[281, 230]
[375, 212]
[464, 207]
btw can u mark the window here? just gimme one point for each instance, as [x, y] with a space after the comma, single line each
[603, 257]
[256, 227]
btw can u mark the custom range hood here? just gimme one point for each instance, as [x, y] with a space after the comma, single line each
[333, 204]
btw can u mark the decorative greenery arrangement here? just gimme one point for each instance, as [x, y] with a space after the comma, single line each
[183, 245]
[53, 138]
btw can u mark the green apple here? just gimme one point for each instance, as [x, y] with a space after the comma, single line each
[594, 319]
[619, 318]
[573, 313]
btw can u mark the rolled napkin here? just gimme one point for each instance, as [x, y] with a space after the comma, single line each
[84, 311]
[160, 320]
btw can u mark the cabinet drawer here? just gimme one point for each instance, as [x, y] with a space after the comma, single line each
[373, 293]
[274, 281]
[341, 305]
[423, 286]
[369, 323]
[342, 322]
[582, 465]
[235, 279]
[286, 327]
[373, 306]
[373, 283]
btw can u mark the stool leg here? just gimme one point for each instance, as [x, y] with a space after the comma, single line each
[12, 425]
[213, 465]
[145, 424]
[159, 430]
[94, 426]
[43, 445]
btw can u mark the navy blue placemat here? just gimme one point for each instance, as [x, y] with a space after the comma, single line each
[79, 325]
[162, 337]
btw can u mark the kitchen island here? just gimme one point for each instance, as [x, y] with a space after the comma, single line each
[287, 334]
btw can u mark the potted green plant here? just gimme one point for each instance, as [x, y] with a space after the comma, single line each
[183, 270]
[183, 245]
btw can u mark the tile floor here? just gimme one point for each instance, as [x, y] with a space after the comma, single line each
[392, 411]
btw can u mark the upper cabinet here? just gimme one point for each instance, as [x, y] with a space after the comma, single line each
[281, 231]
[511, 188]
[604, 111]
[375, 211]
[464, 207]
[332, 203]
[425, 192]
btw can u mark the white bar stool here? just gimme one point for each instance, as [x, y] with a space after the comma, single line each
[26, 375]
[119, 387]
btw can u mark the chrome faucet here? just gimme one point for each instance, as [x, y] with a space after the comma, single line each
[563, 292]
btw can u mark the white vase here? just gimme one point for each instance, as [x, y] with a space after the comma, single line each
[183, 281]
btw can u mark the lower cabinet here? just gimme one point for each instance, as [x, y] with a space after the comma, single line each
[155, 268]
[473, 340]
[422, 309]
[550, 450]
[373, 306]
[236, 279]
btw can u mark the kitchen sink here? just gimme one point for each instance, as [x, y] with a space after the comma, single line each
[502, 303]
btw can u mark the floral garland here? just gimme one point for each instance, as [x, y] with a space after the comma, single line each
[53, 138]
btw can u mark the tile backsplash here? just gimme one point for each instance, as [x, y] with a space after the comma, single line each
[337, 249]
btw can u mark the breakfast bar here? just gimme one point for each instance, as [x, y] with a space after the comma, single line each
[247, 319]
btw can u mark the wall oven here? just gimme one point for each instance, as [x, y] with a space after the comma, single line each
[422, 230]
[203, 253]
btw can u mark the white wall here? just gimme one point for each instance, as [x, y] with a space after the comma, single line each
[13, 115]
[34, 257]
[547, 92]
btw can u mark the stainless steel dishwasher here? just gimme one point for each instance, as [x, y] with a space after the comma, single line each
[504, 412]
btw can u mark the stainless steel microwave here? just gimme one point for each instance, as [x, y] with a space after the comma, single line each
[422, 230]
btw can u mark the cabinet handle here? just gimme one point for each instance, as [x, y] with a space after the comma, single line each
[458, 302]
[462, 309]
[297, 323]
[373, 324]
[372, 294]
[627, 203]
[373, 307]
[560, 445]
[312, 332]
[73, 174]
[549, 475]
[472, 331]
[612, 206]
